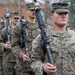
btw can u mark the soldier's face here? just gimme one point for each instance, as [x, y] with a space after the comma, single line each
[60, 19]
[31, 13]
[15, 20]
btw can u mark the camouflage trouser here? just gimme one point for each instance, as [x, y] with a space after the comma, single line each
[1, 72]
[1, 64]
[30, 73]
[8, 63]
[1, 69]
[9, 71]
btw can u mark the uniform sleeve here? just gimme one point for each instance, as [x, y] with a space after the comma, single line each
[3, 38]
[36, 56]
[15, 43]
[1, 45]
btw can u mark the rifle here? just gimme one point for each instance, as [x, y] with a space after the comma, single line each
[8, 25]
[44, 36]
[24, 34]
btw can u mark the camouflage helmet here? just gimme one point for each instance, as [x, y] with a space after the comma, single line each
[60, 7]
[15, 14]
[29, 4]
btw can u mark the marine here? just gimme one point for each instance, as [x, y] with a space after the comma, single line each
[23, 61]
[9, 59]
[62, 45]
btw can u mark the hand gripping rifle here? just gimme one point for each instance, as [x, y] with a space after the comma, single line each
[8, 25]
[24, 34]
[44, 36]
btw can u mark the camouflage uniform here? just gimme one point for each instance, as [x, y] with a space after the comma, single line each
[62, 49]
[23, 68]
[2, 25]
[1, 58]
[1, 52]
[8, 57]
[62, 45]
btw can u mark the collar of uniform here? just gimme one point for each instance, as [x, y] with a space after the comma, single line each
[64, 35]
[32, 25]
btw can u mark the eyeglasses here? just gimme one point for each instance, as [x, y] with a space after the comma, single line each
[62, 13]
